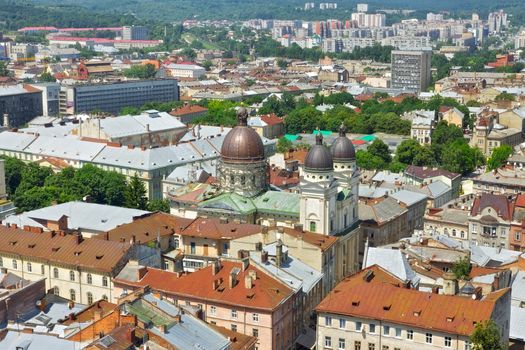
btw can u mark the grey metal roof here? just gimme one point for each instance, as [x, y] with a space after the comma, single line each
[68, 148]
[517, 320]
[13, 141]
[8, 90]
[15, 340]
[518, 287]
[408, 197]
[81, 216]
[392, 260]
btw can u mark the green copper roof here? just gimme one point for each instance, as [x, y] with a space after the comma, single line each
[230, 202]
[343, 194]
[368, 138]
[284, 203]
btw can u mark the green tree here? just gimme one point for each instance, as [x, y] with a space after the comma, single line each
[505, 96]
[32, 175]
[461, 268]
[282, 63]
[379, 149]
[444, 134]
[3, 69]
[13, 173]
[367, 160]
[499, 156]
[47, 77]
[284, 145]
[189, 53]
[303, 120]
[35, 198]
[136, 194]
[487, 336]
[145, 71]
[459, 157]
[162, 205]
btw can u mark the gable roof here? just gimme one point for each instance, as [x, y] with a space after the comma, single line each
[425, 173]
[267, 292]
[499, 203]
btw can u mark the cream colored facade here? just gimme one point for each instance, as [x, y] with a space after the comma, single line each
[342, 332]
[71, 282]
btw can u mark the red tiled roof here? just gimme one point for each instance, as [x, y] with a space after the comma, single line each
[271, 119]
[356, 297]
[500, 203]
[214, 229]
[188, 109]
[267, 292]
[358, 142]
[520, 201]
[322, 241]
[103, 40]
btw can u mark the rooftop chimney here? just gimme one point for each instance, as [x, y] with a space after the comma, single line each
[279, 253]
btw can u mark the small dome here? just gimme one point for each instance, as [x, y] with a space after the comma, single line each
[242, 144]
[319, 158]
[342, 149]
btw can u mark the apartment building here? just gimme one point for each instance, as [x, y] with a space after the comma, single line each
[75, 268]
[373, 310]
[411, 70]
[19, 104]
[135, 33]
[112, 97]
[490, 220]
[230, 294]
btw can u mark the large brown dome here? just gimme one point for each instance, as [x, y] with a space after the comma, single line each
[342, 149]
[242, 144]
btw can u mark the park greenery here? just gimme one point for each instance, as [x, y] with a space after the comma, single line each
[487, 336]
[499, 157]
[144, 71]
[31, 187]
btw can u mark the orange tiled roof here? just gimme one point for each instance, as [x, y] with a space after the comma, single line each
[188, 109]
[384, 301]
[322, 241]
[271, 119]
[267, 293]
[214, 229]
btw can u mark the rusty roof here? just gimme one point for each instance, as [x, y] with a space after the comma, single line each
[146, 228]
[322, 241]
[267, 292]
[426, 172]
[356, 297]
[188, 109]
[89, 253]
[88, 314]
[215, 229]
[500, 203]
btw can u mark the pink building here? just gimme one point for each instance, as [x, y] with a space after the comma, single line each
[234, 295]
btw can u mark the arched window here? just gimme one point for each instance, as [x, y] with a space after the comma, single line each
[454, 232]
[55, 273]
[89, 279]
[104, 281]
[56, 291]
[72, 295]
[71, 275]
[89, 298]
[176, 243]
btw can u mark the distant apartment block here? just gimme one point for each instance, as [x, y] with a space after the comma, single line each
[369, 19]
[362, 7]
[19, 104]
[411, 70]
[135, 33]
[112, 97]
[50, 102]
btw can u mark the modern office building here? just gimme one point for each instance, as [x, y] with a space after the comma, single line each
[411, 69]
[112, 97]
[135, 33]
[19, 104]
[50, 101]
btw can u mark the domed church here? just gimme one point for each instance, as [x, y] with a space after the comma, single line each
[325, 201]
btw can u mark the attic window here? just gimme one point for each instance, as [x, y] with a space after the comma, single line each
[355, 303]
[250, 296]
[56, 249]
[387, 307]
[450, 319]
[220, 289]
[12, 242]
[417, 313]
[77, 253]
[266, 200]
[99, 257]
[31, 245]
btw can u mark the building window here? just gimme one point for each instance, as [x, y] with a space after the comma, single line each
[468, 345]
[234, 327]
[358, 326]
[234, 314]
[89, 279]
[255, 318]
[213, 310]
[105, 297]
[89, 298]
[29, 267]
[448, 342]
[104, 281]
[71, 275]
[398, 332]
[15, 264]
[72, 295]
[42, 269]
[517, 237]
[1, 262]
[255, 332]
[328, 342]
[192, 248]
[372, 328]
[342, 323]
[386, 330]
[410, 334]
[55, 272]
[328, 321]
[428, 338]
[342, 344]
[474, 228]
[313, 226]
[357, 345]
[56, 291]
[371, 346]
[385, 347]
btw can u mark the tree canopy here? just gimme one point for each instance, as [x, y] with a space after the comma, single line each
[499, 157]
[487, 336]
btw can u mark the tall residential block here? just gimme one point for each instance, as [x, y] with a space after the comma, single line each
[411, 69]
